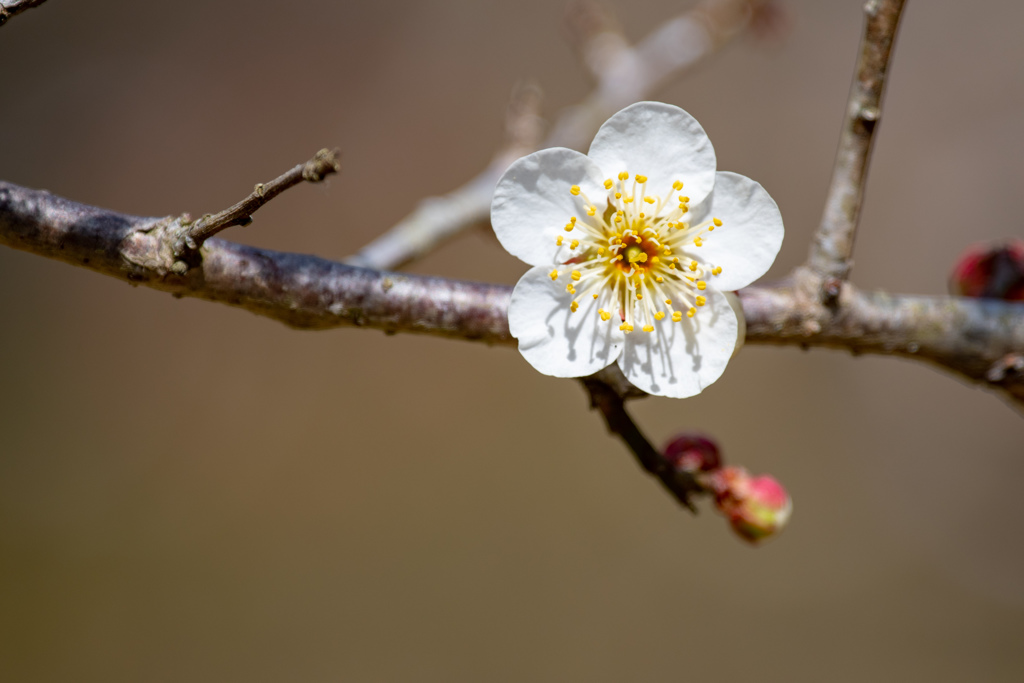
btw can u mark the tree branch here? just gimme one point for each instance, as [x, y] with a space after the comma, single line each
[680, 484]
[980, 340]
[11, 8]
[832, 248]
[192, 235]
[625, 75]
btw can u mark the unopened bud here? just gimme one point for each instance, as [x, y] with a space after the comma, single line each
[991, 272]
[756, 507]
[693, 453]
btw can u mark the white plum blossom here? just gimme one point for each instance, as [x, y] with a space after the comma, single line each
[634, 246]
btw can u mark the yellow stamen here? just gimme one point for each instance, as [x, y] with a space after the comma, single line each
[575, 275]
[649, 200]
[623, 176]
[575, 190]
[605, 315]
[648, 328]
[573, 306]
[659, 315]
[717, 222]
[608, 184]
[692, 312]
[698, 242]
[558, 241]
[677, 316]
[702, 285]
[677, 185]
[701, 301]
[641, 178]
[591, 210]
[574, 244]
[569, 288]
[554, 274]
[693, 266]
[717, 270]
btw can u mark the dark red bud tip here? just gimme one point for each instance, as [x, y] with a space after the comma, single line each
[991, 272]
[693, 453]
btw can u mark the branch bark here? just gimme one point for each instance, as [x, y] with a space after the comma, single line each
[980, 340]
[12, 8]
[624, 75]
[831, 251]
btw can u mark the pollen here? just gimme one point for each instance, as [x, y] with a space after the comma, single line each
[717, 270]
[701, 300]
[575, 275]
[558, 242]
[605, 315]
[702, 285]
[698, 242]
[717, 222]
[608, 184]
[641, 178]
[573, 306]
[568, 227]
[553, 274]
[574, 244]
[569, 288]
[624, 176]
[677, 316]
[668, 302]
[648, 328]
[591, 210]
[692, 312]
[660, 315]
[677, 185]
[693, 266]
[649, 200]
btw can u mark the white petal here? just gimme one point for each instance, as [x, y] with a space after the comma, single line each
[532, 202]
[681, 359]
[554, 340]
[751, 233]
[659, 141]
[741, 320]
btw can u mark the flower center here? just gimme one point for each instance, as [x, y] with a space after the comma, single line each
[636, 254]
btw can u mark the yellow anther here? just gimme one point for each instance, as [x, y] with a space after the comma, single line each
[608, 184]
[554, 274]
[558, 241]
[717, 222]
[605, 315]
[648, 328]
[692, 312]
[702, 285]
[569, 288]
[698, 242]
[693, 266]
[568, 227]
[618, 195]
[573, 306]
[659, 279]
[591, 210]
[677, 185]
[623, 176]
[641, 178]
[683, 208]
[672, 266]
[572, 220]
[626, 327]
[684, 200]
[600, 251]
[701, 301]
[717, 270]
[574, 244]
[575, 275]
[649, 200]
[677, 316]
[575, 189]
[668, 302]
[660, 315]
[627, 200]
[595, 296]
[639, 296]
[642, 215]
[711, 228]
[655, 259]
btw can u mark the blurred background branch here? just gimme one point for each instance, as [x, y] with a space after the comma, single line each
[623, 75]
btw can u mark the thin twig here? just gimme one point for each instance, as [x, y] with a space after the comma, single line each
[832, 247]
[980, 340]
[11, 8]
[625, 75]
[680, 483]
[192, 236]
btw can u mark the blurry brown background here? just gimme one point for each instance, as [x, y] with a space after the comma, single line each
[189, 492]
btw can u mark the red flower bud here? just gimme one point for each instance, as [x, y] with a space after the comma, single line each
[693, 453]
[756, 507]
[991, 272]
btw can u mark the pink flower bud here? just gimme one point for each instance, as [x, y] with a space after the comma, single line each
[991, 272]
[757, 507]
[693, 453]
